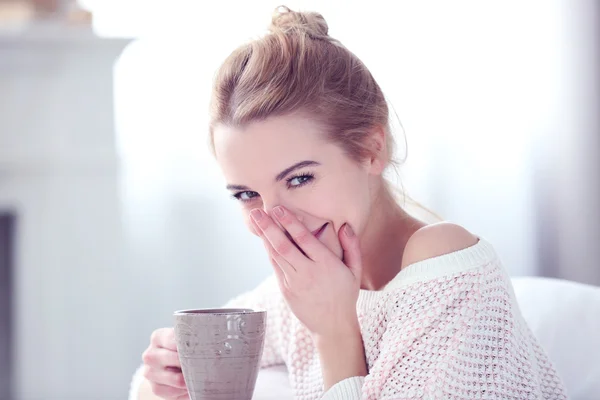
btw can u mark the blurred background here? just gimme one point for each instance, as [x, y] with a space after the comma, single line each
[113, 213]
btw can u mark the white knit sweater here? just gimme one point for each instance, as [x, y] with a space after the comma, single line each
[444, 328]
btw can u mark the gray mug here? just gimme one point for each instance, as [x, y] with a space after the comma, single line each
[220, 351]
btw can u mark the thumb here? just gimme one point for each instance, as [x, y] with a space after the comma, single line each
[350, 245]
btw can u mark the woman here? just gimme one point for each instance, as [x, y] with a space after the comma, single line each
[366, 301]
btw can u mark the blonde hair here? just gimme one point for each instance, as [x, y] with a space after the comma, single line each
[298, 68]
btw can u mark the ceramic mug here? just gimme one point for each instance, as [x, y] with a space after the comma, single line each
[220, 351]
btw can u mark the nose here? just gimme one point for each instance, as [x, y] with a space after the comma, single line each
[269, 204]
[268, 207]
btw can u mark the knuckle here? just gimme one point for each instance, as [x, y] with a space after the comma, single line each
[147, 373]
[283, 247]
[303, 237]
[155, 336]
[147, 356]
[264, 223]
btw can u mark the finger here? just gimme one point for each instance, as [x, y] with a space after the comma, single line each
[166, 377]
[282, 245]
[281, 278]
[286, 268]
[168, 392]
[158, 357]
[280, 267]
[351, 247]
[185, 396]
[164, 338]
[304, 238]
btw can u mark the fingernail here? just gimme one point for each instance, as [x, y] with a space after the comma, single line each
[349, 231]
[278, 211]
[256, 214]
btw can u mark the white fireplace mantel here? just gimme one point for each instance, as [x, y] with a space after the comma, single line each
[59, 175]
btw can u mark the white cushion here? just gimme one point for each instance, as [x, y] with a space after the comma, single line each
[565, 317]
[273, 384]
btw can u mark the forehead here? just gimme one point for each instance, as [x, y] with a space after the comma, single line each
[269, 146]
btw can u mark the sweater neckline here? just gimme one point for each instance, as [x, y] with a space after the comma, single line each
[481, 253]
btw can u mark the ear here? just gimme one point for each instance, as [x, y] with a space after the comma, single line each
[378, 160]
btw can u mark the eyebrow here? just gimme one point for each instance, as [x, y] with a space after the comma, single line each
[281, 175]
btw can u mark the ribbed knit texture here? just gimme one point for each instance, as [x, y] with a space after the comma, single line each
[444, 328]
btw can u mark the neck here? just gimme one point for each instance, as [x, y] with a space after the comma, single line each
[384, 239]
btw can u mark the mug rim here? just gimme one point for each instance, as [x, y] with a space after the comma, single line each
[218, 311]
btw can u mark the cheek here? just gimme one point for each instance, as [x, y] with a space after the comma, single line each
[350, 204]
[354, 212]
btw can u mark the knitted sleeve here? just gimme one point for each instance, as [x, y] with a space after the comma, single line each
[267, 297]
[453, 337]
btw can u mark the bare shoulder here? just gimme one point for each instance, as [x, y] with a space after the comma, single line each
[436, 240]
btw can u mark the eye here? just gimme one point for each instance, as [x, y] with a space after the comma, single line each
[245, 196]
[299, 180]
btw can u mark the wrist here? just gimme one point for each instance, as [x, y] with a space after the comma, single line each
[342, 356]
[343, 328]
[340, 337]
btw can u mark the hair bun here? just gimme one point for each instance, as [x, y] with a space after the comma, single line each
[287, 21]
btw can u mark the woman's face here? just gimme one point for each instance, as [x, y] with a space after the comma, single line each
[287, 161]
